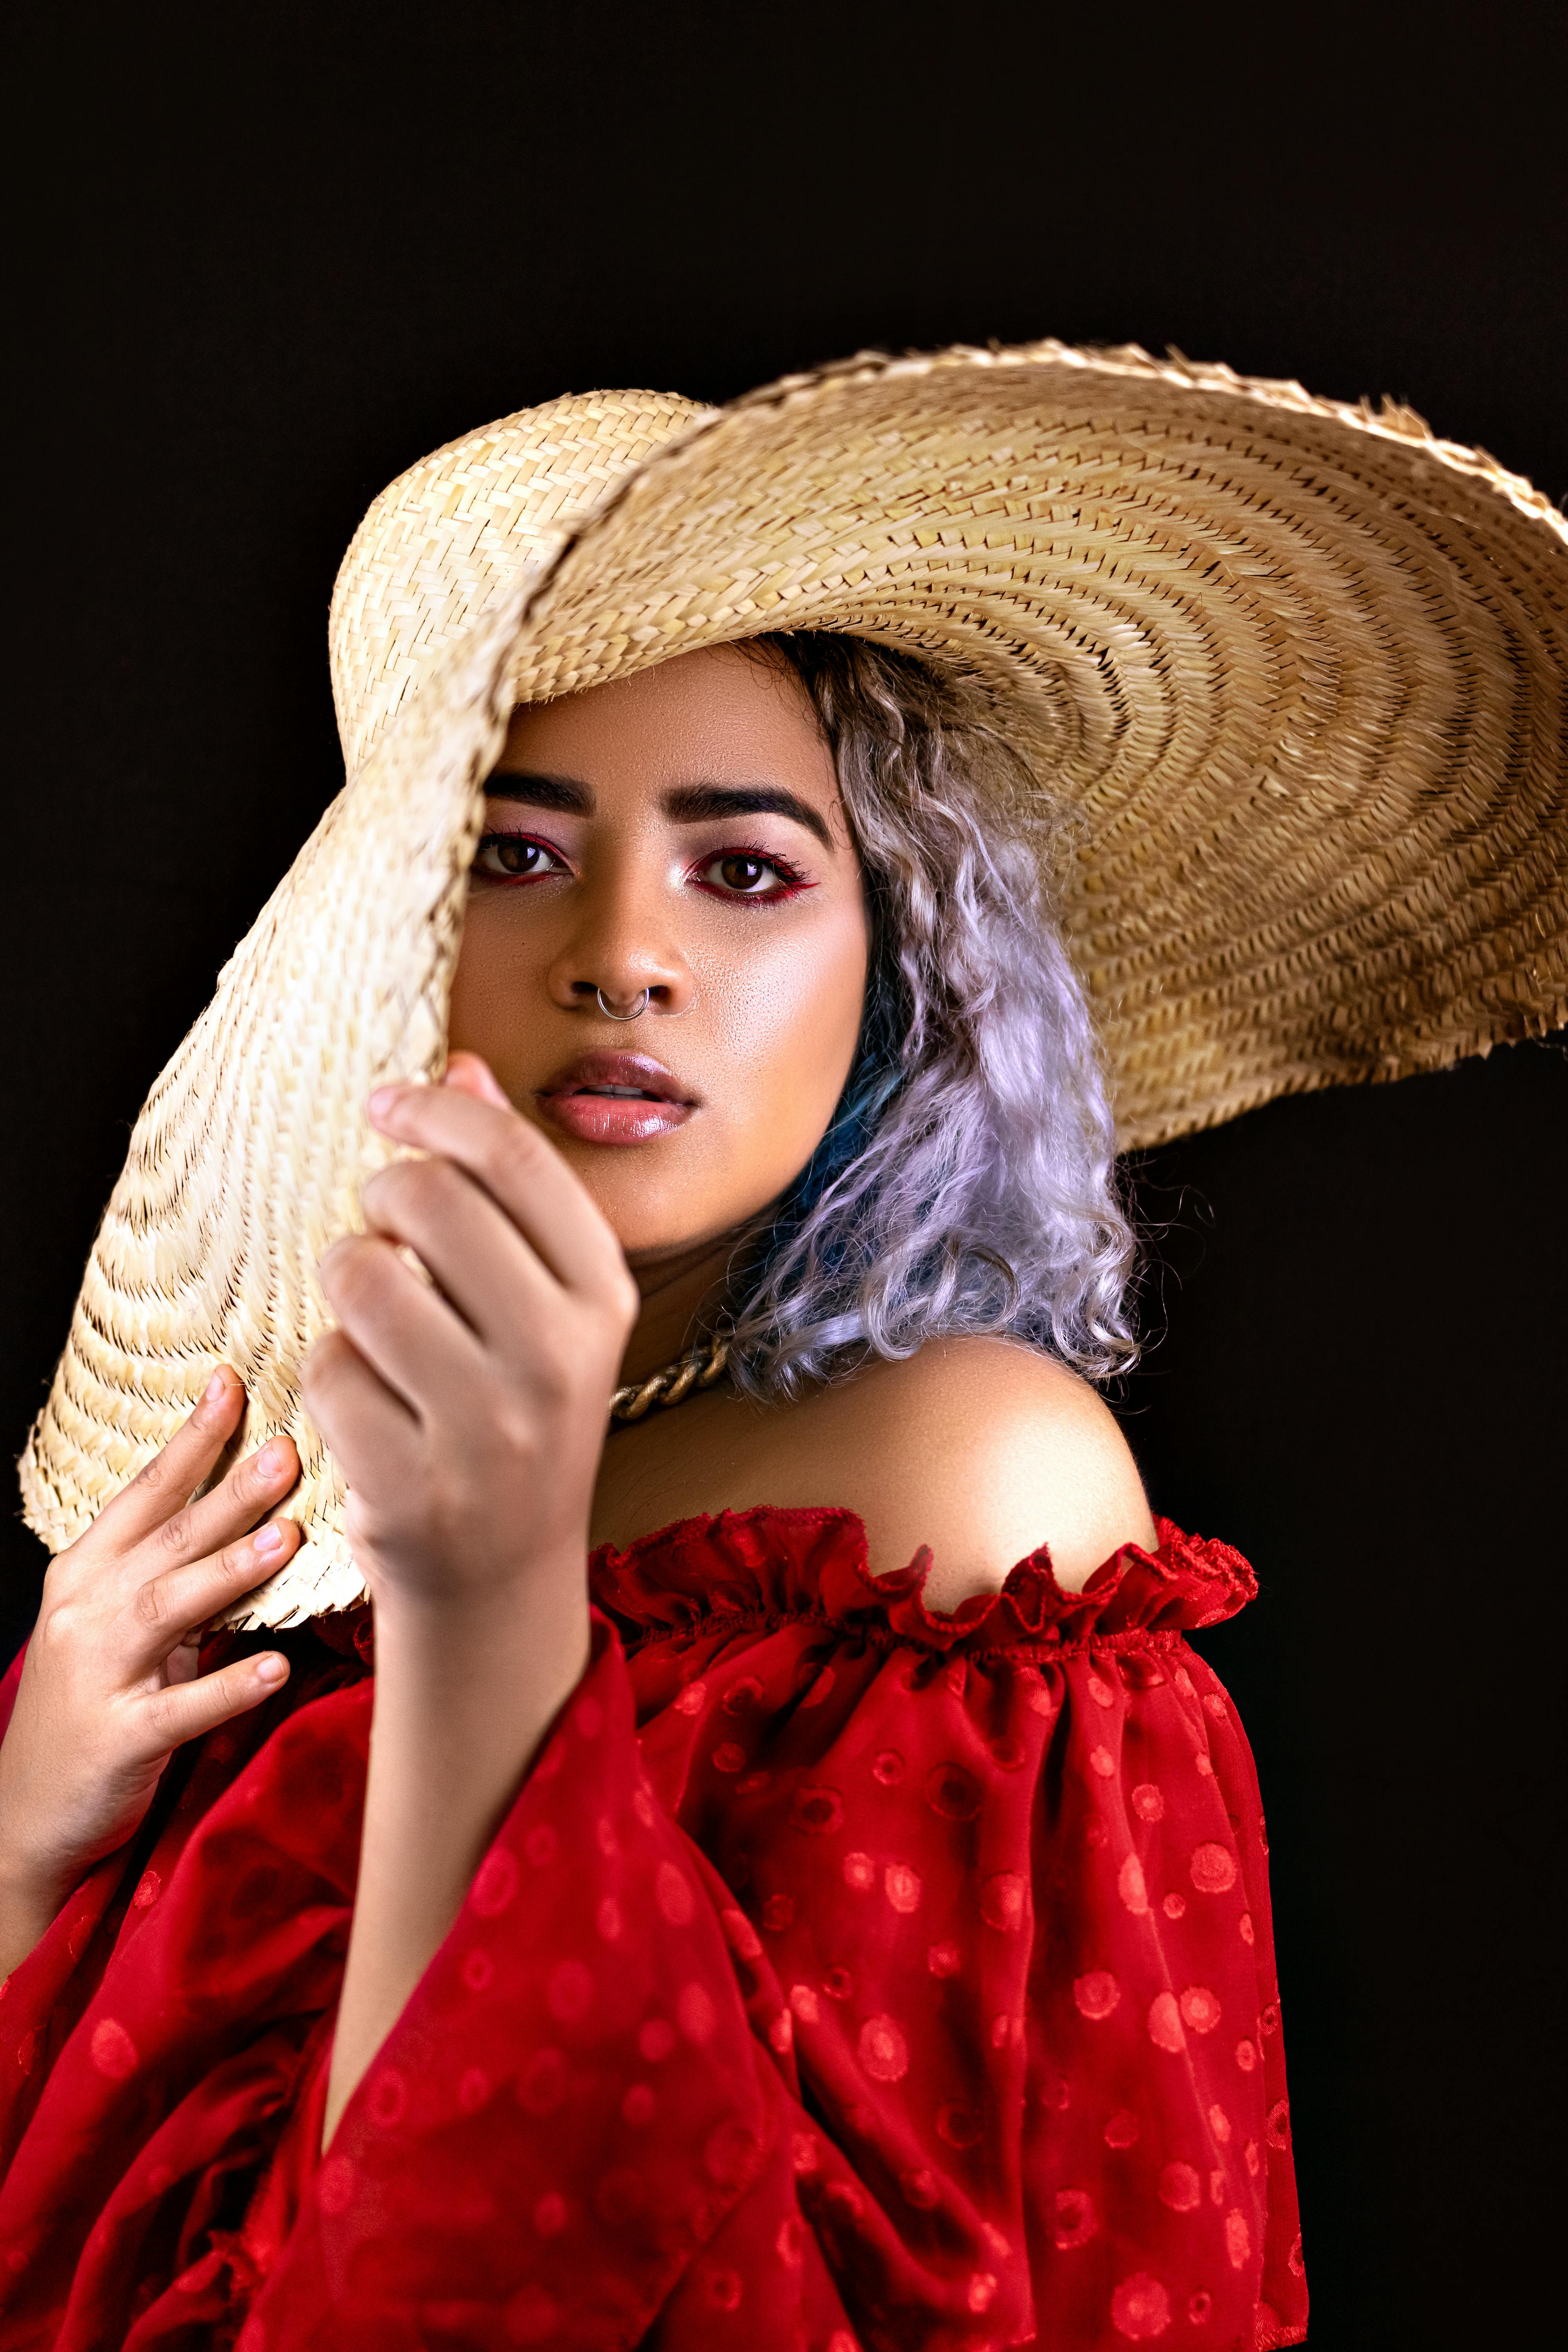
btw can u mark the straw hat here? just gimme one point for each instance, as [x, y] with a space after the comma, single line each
[1300, 666]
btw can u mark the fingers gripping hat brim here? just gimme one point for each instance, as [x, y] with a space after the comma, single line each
[1300, 667]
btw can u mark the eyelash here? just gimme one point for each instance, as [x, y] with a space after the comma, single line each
[521, 841]
[792, 882]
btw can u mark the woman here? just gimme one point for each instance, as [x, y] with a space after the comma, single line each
[846, 1936]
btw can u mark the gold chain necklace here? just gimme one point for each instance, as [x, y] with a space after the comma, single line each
[674, 1385]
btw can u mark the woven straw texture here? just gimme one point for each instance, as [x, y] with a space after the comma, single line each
[1301, 667]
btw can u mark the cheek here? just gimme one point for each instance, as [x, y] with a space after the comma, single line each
[787, 1023]
[771, 1044]
[499, 969]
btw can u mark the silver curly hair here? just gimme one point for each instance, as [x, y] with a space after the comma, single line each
[966, 1182]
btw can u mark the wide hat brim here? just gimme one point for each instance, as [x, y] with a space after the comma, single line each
[1300, 668]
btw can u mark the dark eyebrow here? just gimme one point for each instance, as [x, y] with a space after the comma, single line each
[688, 804]
[699, 803]
[540, 792]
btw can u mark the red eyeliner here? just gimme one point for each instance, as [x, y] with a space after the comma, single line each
[793, 882]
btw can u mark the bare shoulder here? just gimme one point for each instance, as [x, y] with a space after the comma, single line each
[981, 1449]
[984, 1450]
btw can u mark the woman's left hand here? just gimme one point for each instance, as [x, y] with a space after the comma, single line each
[468, 1417]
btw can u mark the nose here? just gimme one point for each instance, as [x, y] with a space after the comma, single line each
[621, 960]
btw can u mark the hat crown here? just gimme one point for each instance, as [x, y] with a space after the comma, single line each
[474, 518]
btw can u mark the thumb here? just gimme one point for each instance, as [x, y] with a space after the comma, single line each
[470, 1075]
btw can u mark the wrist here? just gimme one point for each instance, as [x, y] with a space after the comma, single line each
[30, 1906]
[442, 1657]
[28, 1876]
[549, 1586]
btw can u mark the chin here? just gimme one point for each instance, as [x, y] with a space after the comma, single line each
[652, 1213]
[654, 1220]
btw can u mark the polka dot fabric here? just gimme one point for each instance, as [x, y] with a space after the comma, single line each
[844, 1975]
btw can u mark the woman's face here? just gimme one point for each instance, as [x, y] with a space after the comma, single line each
[678, 832]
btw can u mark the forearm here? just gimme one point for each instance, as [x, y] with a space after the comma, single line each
[463, 1697]
[34, 1877]
[28, 1911]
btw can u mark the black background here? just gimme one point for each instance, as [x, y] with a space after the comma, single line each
[278, 254]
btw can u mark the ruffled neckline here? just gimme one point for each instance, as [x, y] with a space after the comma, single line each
[769, 1563]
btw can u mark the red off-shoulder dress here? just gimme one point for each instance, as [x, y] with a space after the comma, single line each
[844, 1975]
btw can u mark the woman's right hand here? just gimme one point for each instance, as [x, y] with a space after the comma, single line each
[110, 1686]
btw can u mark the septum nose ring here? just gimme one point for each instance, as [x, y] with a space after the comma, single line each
[638, 1009]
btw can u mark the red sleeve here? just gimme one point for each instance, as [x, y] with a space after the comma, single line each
[574, 2101]
[572, 2104]
[1157, 2138]
[906, 1984]
[1009, 1869]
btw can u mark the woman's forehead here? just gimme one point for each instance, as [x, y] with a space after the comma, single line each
[717, 715]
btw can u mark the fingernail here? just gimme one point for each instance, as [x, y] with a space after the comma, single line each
[270, 1669]
[269, 1460]
[381, 1101]
[267, 1541]
[213, 1389]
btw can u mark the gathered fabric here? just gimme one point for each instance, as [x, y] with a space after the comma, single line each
[844, 1975]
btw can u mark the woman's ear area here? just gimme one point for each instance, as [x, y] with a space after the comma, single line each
[471, 1074]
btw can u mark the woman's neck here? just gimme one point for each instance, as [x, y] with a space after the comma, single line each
[674, 1290]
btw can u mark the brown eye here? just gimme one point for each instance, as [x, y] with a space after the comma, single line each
[747, 874]
[510, 855]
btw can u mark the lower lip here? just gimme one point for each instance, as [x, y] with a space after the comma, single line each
[613, 1118]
